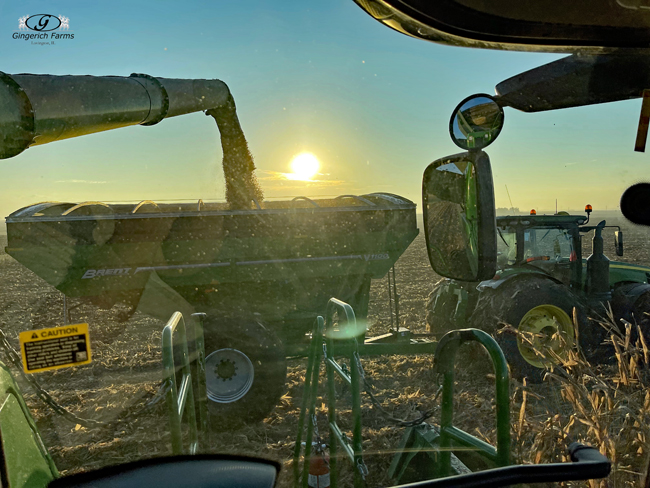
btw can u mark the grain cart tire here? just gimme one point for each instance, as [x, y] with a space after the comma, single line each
[441, 306]
[536, 309]
[245, 369]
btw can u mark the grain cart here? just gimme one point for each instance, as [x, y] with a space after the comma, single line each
[536, 276]
[261, 271]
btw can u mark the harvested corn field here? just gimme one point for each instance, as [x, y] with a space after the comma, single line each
[604, 405]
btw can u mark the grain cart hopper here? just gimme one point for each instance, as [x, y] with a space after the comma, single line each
[261, 271]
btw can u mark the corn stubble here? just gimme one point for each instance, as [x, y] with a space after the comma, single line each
[606, 406]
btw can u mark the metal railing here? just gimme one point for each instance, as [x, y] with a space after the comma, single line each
[346, 341]
[185, 359]
[323, 339]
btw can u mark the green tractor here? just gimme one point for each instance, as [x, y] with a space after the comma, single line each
[542, 288]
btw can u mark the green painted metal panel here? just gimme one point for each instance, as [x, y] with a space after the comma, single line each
[621, 272]
[27, 461]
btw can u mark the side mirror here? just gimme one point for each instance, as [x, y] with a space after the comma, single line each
[459, 216]
[476, 122]
[618, 242]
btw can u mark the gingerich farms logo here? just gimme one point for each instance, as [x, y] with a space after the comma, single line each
[43, 29]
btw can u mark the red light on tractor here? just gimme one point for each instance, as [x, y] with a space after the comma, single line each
[533, 212]
[588, 209]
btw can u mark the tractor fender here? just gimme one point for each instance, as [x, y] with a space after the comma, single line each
[624, 273]
[509, 275]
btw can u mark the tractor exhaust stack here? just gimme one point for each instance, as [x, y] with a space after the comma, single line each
[598, 268]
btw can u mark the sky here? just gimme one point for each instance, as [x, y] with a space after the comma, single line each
[371, 104]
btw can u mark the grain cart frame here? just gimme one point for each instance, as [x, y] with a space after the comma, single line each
[261, 271]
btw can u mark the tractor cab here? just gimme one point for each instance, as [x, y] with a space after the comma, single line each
[550, 243]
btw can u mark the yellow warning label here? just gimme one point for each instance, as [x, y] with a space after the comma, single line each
[58, 347]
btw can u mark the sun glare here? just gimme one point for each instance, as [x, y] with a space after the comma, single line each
[304, 166]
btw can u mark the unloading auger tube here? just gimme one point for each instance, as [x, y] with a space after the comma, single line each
[39, 109]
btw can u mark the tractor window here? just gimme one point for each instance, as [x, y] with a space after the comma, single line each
[506, 248]
[539, 245]
[544, 244]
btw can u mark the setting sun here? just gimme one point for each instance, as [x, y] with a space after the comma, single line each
[304, 166]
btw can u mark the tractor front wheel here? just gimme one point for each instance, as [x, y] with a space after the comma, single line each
[540, 315]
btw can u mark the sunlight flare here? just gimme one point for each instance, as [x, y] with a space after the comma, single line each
[304, 166]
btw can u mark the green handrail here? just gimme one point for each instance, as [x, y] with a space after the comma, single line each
[347, 332]
[197, 364]
[444, 362]
[180, 398]
[308, 405]
[324, 337]
[343, 341]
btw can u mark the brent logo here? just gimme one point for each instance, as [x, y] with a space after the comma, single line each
[43, 22]
[376, 257]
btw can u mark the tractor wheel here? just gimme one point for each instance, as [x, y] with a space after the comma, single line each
[441, 307]
[642, 314]
[245, 371]
[541, 315]
[631, 302]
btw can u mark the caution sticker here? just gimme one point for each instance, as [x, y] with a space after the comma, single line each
[55, 348]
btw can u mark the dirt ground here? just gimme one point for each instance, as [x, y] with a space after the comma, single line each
[126, 371]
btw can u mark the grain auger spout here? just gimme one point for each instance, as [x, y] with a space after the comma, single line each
[39, 109]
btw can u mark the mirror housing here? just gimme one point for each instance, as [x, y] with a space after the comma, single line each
[618, 242]
[576, 81]
[460, 216]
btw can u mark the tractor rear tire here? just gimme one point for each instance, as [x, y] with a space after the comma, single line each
[642, 315]
[245, 369]
[535, 305]
[441, 307]
[631, 302]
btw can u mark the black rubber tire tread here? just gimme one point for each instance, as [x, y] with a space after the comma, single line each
[623, 305]
[626, 305]
[511, 301]
[641, 316]
[266, 352]
[440, 322]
